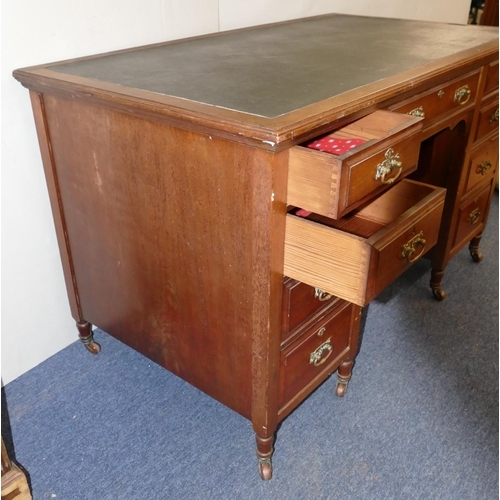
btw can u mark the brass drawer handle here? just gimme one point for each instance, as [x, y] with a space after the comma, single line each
[418, 112]
[410, 247]
[494, 117]
[321, 295]
[484, 167]
[390, 163]
[474, 216]
[318, 356]
[462, 95]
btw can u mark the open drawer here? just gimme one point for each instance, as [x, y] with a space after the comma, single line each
[333, 185]
[357, 256]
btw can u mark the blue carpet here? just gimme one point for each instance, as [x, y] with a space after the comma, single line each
[419, 421]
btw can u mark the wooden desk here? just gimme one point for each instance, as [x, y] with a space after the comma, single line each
[175, 171]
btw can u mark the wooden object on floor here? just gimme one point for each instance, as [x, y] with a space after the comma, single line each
[14, 483]
[171, 170]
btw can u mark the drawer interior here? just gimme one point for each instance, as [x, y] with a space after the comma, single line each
[371, 128]
[355, 257]
[377, 214]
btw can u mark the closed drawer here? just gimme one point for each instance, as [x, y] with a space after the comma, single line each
[313, 356]
[488, 118]
[491, 78]
[301, 304]
[441, 100]
[332, 185]
[356, 257]
[482, 164]
[472, 214]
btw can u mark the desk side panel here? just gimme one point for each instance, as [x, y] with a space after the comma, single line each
[162, 241]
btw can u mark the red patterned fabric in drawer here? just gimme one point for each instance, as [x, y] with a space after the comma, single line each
[334, 145]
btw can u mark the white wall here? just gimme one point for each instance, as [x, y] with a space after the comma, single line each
[36, 321]
[238, 13]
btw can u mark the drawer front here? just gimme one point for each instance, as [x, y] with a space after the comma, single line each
[332, 185]
[442, 99]
[355, 257]
[472, 215]
[302, 302]
[488, 119]
[315, 354]
[482, 165]
[363, 181]
[491, 78]
[394, 254]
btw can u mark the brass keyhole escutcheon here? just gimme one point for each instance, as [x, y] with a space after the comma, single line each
[410, 248]
[494, 117]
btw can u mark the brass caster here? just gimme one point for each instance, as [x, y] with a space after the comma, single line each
[439, 294]
[340, 389]
[89, 342]
[476, 255]
[265, 469]
[93, 347]
[87, 337]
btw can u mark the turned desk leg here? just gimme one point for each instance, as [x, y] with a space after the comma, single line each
[435, 284]
[344, 372]
[437, 275]
[87, 337]
[265, 449]
[476, 255]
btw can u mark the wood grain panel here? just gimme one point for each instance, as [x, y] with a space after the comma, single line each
[326, 258]
[159, 221]
[46, 149]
